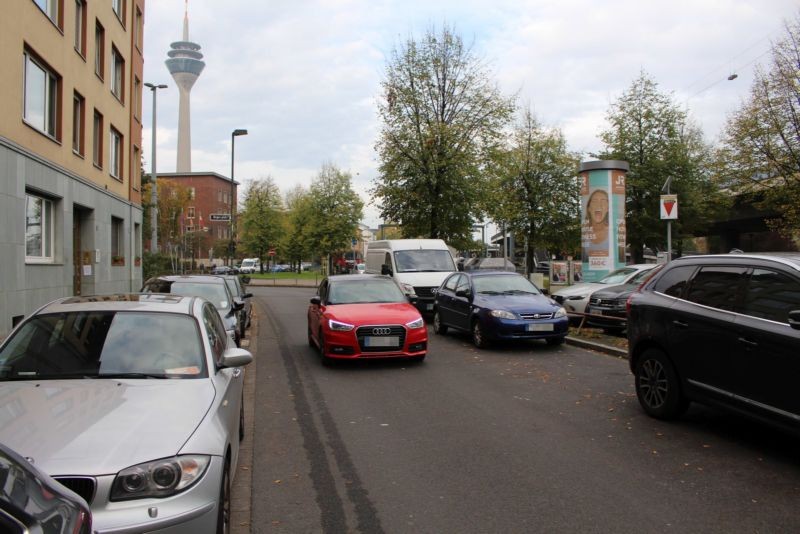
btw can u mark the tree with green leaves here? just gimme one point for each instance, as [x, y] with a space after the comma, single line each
[649, 131]
[333, 212]
[261, 220]
[441, 117]
[295, 245]
[535, 191]
[760, 153]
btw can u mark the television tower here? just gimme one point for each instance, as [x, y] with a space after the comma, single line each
[185, 64]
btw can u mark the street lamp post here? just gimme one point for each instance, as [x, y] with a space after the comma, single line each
[153, 192]
[232, 246]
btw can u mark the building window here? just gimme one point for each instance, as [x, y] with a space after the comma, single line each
[115, 153]
[99, 50]
[191, 193]
[41, 96]
[119, 9]
[137, 236]
[139, 29]
[97, 140]
[117, 74]
[137, 99]
[136, 169]
[80, 27]
[190, 212]
[39, 229]
[51, 8]
[117, 240]
[190, 229]
[78, 123]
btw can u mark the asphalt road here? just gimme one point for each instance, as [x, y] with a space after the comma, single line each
[518, 438]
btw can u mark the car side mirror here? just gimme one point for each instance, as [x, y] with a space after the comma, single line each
[385, 269]
[315, 300]
[463, 293]
[237, 305]
[460, 266]
[794, 319]
[236, 357]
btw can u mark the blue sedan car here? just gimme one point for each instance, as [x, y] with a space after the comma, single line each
[497, 305]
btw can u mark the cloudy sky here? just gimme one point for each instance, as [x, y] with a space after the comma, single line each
[303, 76]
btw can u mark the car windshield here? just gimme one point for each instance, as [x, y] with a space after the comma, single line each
[364, 291]
[503, 284]
[232, 287]
[410, 261]
[98, 344]
[617, 277]
[214, 293]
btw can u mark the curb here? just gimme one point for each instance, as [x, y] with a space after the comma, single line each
[600, 347]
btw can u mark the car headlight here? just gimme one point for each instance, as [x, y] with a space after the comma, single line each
[502, 314]
[560, 313]
[339, 326]
[408, 289]
[417, 323]
[160, 478]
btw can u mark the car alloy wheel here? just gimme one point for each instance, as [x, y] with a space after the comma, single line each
[658, 387]
[438, 327]
[478, 336]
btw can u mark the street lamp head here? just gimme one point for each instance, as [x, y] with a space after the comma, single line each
[239, 131]
[153, 87]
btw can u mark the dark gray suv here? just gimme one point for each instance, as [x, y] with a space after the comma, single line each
[723, 330]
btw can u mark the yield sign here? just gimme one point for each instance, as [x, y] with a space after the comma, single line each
[669, 206]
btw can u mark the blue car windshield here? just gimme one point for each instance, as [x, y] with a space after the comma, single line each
[418, 261]
[97, 344]
[501, 283]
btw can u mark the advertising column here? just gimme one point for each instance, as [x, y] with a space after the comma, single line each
[602, 217]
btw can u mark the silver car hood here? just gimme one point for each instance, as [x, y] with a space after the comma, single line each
[100, 426]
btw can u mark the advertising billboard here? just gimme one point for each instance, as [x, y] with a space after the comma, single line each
[602, 217]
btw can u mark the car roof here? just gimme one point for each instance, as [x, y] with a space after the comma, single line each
[359, 278]
[150, 302]
[493, 272]
[791, 259]
[196, 278]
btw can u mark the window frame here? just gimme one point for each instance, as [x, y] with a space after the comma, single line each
[118, 7]
[97, 139]
[116, 154]
[117, 82]
[78, 124]
[53, 10]
[138, 29]
[99, 50]
[51, 99]
[80, 28]
[47, 229]
[117, 248]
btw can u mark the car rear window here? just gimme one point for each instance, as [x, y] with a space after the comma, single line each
[717, 287]
[214, 293]
[673, 281]
[97, 343]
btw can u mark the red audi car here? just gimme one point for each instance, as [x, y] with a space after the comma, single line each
[365, 316]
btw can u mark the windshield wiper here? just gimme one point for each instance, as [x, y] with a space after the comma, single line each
[519, 291]
[130, 375]
[490, 292]
[35, 376]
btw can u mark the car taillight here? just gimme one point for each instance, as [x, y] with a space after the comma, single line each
[628, 303]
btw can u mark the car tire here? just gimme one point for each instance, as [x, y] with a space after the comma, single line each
[242, 330]
[326, 360]
[438, 327]
[658, 387]
[311, 339]
[224, 504]
[555, 340]
[479, 335]
[241, 420]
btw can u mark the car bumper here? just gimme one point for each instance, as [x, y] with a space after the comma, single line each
[345, 346]
[193, 511]
[573, 305]
[606, 317]
[519, 329]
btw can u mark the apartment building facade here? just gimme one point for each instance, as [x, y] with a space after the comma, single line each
[70, 151]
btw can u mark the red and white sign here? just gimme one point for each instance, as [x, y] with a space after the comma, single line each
[669, 206]
[271, 252]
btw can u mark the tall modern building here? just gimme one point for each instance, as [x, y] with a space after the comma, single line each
[185, 64]
[70, 151]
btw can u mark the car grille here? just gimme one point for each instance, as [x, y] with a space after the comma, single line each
[536, 316]
[605, 303]
[83, 486]
[389, 330]
[424, 292]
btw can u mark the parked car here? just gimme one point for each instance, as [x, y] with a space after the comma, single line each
[610, 303]
[722, 330]
[369, 316]
[212, 288]
[496, 264]
[239, 295]
[497, 305]
[32, 501]
[223, 269]
[134, 402]
[574, 298]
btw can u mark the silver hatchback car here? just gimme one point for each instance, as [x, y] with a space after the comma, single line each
[132, 401]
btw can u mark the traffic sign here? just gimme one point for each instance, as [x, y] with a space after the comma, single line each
[669, 206]
[271, 252]
[220, 216]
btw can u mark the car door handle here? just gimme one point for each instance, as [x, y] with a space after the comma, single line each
[748, 342]
[680, 324]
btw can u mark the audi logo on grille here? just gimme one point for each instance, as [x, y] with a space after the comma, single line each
[381, 331]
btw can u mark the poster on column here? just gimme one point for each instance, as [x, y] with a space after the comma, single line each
[603, 230]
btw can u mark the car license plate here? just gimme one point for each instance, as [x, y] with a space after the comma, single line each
[540, 327]
[385, 341]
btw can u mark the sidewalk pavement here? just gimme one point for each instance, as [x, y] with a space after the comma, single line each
[596, 339]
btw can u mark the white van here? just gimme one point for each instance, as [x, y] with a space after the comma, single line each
[250, 266]
[418, 265]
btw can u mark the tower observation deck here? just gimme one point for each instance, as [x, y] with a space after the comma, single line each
[185, 64]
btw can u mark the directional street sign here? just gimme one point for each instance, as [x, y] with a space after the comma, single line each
[669, 206]
[220, 216]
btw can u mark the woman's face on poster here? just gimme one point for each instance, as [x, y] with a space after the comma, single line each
[598, 207]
